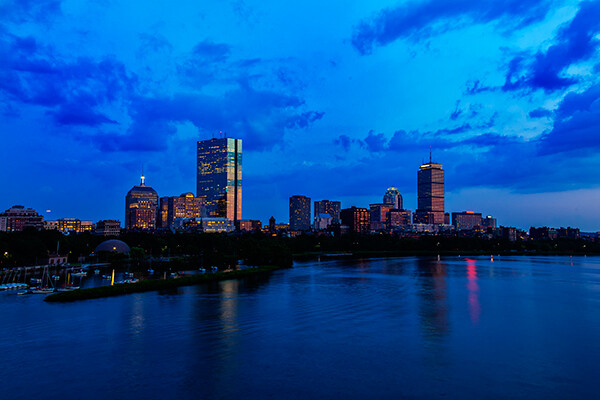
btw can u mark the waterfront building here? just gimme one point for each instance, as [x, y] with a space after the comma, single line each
[466, 220]
[184, 206]
[430, 194]
[219, 177]
[392, 196]
[17, 218]
[357, 219]
[108, 227]
[299, 213]
[329, 207]
[322, 222]
[141, 207]
[378, 214]
[398, 219]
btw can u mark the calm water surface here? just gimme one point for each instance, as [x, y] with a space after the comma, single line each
[514, 327]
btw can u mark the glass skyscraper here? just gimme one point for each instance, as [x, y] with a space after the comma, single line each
[430, 189]
[219, 177]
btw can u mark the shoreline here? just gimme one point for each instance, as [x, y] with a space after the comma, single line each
[151, 285]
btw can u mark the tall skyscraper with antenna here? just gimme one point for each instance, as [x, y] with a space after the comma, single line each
[141, 207]
[430, 193]
[219, 177]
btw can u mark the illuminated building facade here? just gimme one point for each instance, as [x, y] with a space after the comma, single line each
[108, 227]
[141, 207]
[378, 213]
[74, 225]
[299, 213]
[397, 219]
[392, 196]
[248, 225]
[328, 207]
[322, 222]
[466, 220]
[17, 218]
[357, 219]
[217, 225]
[488, 222]
[219, 177]
[430, 194]
[184, 206]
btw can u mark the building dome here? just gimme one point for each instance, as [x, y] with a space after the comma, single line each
[113, 246]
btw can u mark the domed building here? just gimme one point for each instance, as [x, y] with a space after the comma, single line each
[392, 196]
[141, 207]
[113, 246]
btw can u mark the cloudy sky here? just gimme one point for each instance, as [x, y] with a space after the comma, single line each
[333, 100]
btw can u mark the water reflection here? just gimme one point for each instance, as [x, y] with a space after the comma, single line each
[433, 307]
[473, 288]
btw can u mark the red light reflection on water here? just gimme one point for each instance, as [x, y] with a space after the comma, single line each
[473, 288]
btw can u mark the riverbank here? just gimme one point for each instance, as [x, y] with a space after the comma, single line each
[155, 284]
[433, 253]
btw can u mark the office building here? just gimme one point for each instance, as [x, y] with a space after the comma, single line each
[322, 222]
[217, 225]
[466, 220]
[398, 219]
[184, 206]
[248, 225]
[141, 207]
[219, 177]
[378, 214]
[299, 213]
[329, 207]
[430, 194]
[108, 227]
[17, 218]
[392, 196]
[488, 222]
[357, 219]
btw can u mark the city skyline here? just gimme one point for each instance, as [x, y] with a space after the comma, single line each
[506, 97]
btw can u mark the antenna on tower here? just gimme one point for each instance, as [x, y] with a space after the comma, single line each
[429, 154]
[143, 177]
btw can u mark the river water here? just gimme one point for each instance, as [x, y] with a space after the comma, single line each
[455, 328]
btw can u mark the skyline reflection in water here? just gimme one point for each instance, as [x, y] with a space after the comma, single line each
[520, 327]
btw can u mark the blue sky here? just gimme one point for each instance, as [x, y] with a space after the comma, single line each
[334, 100]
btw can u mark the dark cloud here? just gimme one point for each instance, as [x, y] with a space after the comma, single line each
[72, 90]
[304, 120]
[260, 117]
[457, 111]
[20, 11]
[210, 51]
[576, 125]
[345, 141]
[417, 20]
[575, 42]
[540, 113]
[375, 142]
[85, 91]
